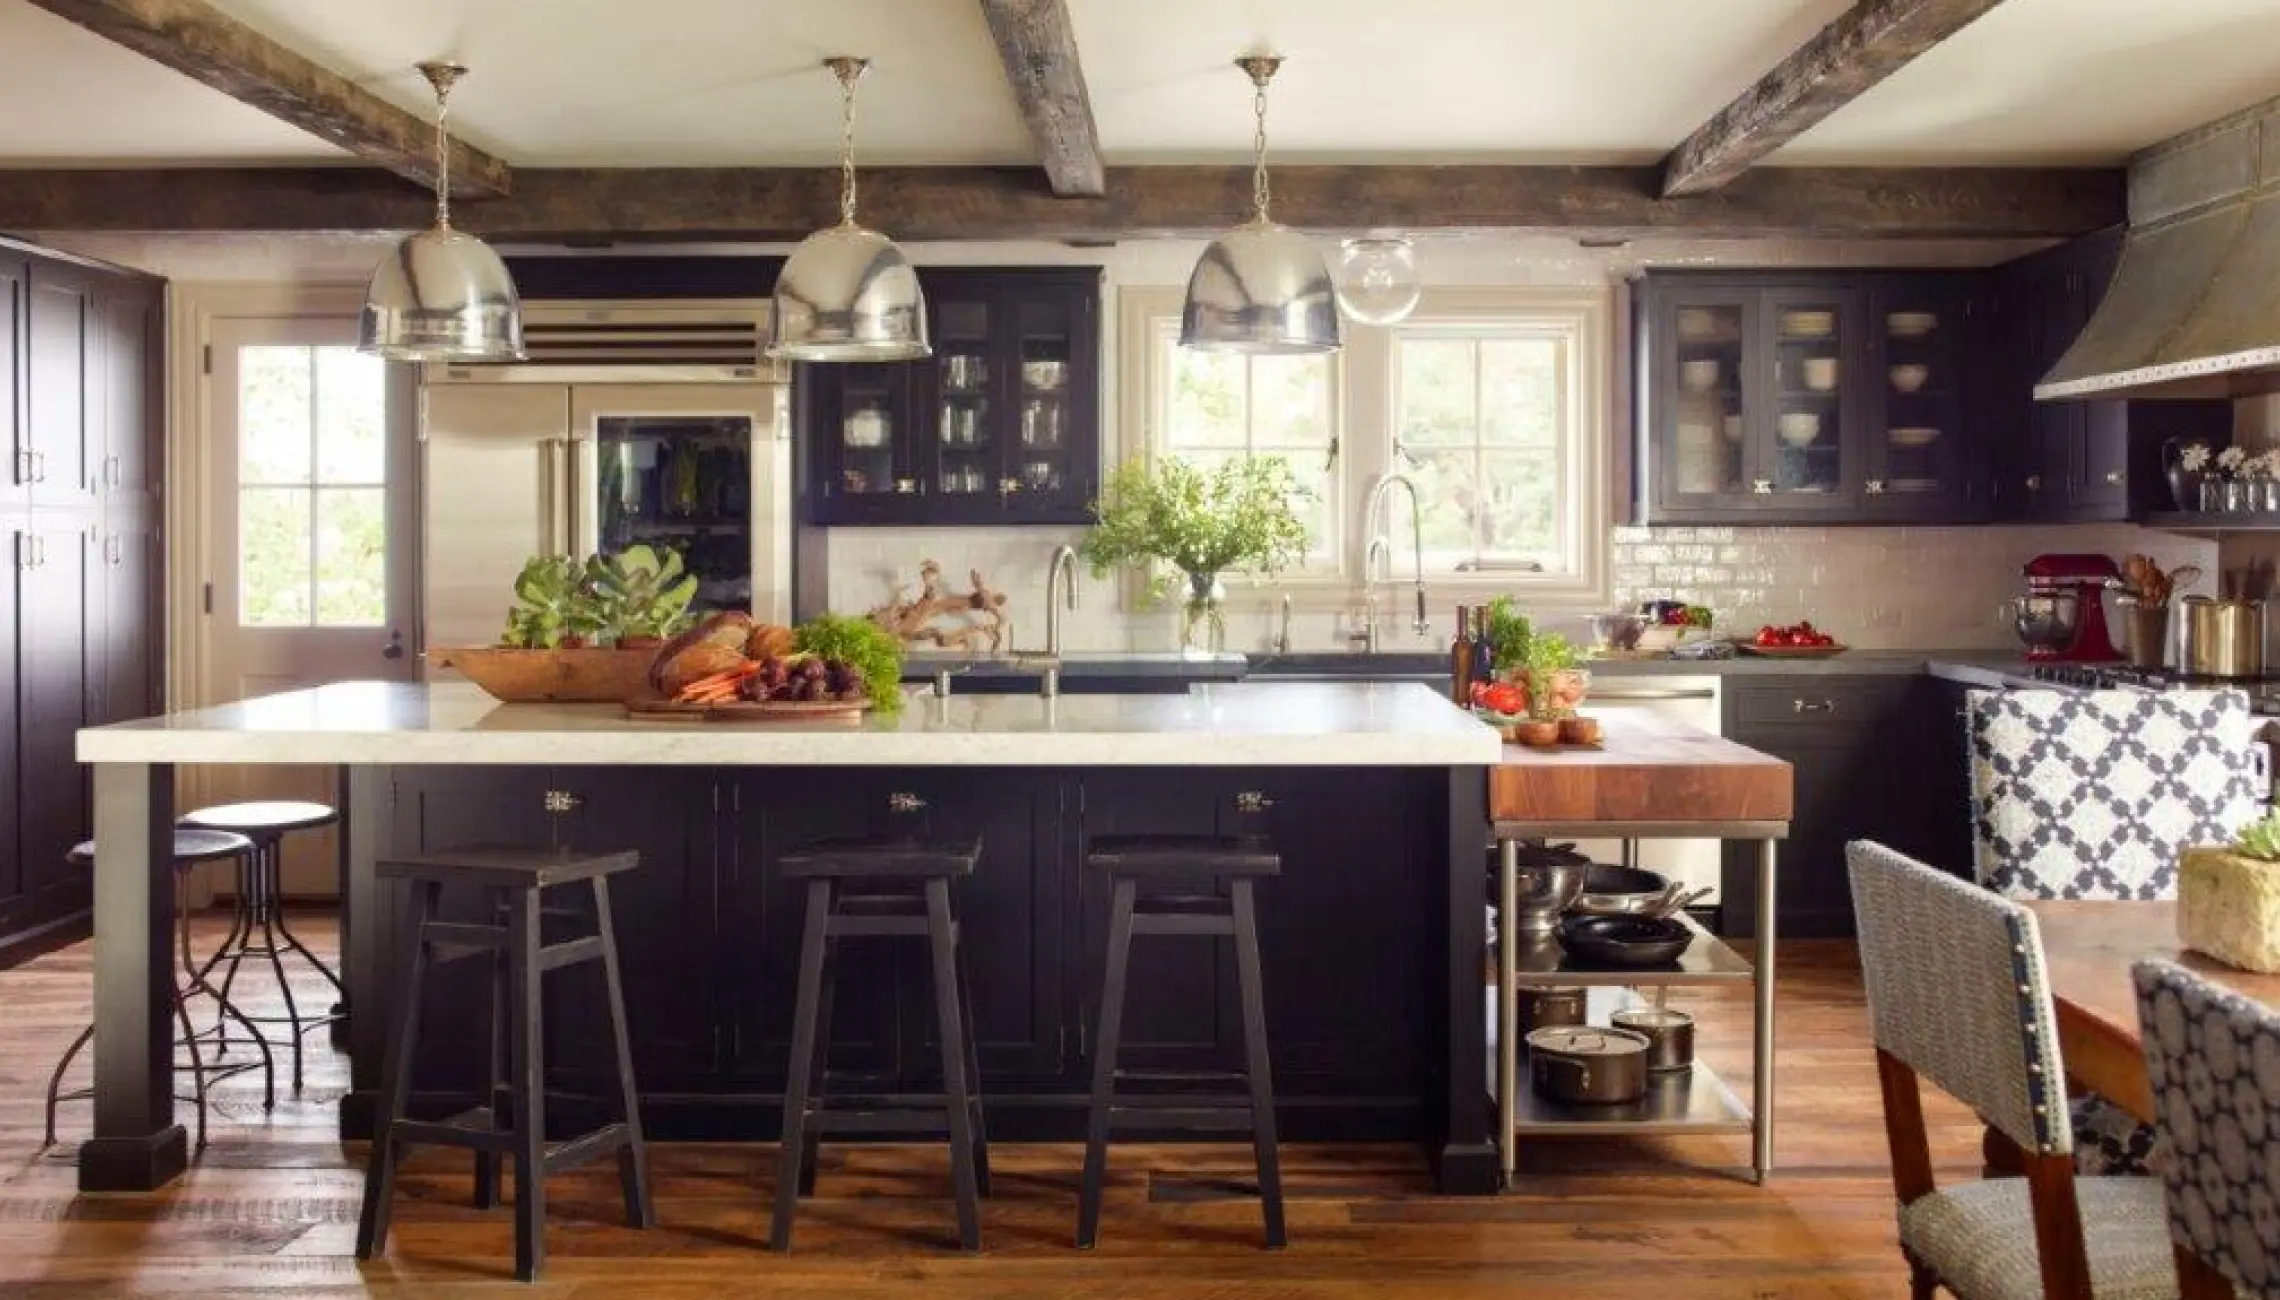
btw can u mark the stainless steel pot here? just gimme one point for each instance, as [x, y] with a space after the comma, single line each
[1550, 1007]
[2221, 638]
[1579, 1066]
[1669, 1035]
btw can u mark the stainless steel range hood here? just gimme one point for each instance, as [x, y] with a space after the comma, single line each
[2194, 308]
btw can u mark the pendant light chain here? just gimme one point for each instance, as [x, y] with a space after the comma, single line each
[847, 145]
[443, 156]
[1259, 189]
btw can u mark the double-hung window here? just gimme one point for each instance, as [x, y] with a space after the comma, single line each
[1493, 402]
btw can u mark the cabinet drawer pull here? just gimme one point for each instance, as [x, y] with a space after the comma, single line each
[1813, 706]
[903, 801]
[39, 467]
[1008, 486]
[561, 801]
[906, 486]
[112, 550]
[1875, 487]
[2114, 477]
[111, 470]
[1253, 801]
[1763, 487]
[2034, 482]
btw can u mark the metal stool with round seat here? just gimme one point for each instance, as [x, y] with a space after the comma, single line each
[261, 906]
[192, 848]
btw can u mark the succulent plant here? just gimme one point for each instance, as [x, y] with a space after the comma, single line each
[639, 592]
[551, 606]
[2260, 840]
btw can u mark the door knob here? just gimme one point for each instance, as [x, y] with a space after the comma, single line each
[395, 647]
[1763, 487]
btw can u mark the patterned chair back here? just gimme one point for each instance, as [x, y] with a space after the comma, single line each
[1956, 992]
[2095, 794]
[2213, 1058]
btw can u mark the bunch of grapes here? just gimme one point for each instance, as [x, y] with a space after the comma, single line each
[806, 679]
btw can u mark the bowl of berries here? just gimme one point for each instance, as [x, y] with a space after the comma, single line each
[1796, 641]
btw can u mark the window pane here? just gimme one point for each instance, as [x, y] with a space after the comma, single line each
[1208, 407]
[1519, 391]
[352, 411]
[1522, 491]
[1450, 500]
[352, 557]
[1436, 392]
[273, 557]
[1290, 401]
[273, 415]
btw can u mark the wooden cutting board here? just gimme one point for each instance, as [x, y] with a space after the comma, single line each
[1648, 768]
[751, 711]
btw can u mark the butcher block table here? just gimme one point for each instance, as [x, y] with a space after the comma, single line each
[2088, 948]
[1652, 777]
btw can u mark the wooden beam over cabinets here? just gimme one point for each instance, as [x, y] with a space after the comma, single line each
[1039, 50]
[1866, 44]
[975, 203]
[210, 47]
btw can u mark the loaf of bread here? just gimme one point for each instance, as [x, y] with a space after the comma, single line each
[725, 631]
[768, 641]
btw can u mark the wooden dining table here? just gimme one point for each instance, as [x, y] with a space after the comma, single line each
[2089, 948]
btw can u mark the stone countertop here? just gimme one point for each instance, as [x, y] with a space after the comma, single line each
[1313, 724]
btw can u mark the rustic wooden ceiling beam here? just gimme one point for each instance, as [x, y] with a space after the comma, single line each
[1039, 50]
[1866, 44]
[970, 203]
[210, 47]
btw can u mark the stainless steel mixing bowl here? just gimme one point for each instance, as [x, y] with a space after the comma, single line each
[2047, 620]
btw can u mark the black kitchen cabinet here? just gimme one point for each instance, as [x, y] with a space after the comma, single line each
[1000, 426]
[80, 386]
[2077, 461]
[1856, 746]
[67, 386]
[1810, 397]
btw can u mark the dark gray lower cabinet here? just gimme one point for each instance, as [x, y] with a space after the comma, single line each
[709, 929]
[1861, 749]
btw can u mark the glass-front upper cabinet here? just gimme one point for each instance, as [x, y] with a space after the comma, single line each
[1801, 444]
[1921, 377]
[1000, 425]
[1697, 400]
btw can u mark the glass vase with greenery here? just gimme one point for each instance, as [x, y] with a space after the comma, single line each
[1239, 515]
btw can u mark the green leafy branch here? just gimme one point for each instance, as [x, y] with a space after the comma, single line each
[1240, 515]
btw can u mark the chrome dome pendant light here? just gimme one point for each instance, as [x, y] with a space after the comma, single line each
[1260, 288]
[848, 294]
[442, 295]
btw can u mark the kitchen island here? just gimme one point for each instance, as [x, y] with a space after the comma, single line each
[1373, 936]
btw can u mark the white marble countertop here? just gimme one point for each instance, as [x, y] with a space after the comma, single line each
[1231, 725]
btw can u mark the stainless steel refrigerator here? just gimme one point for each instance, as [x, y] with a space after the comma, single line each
[629, 424]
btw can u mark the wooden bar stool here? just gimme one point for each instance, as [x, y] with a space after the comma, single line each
[514, 1123]
[881, 888]
[1208, 879]
[192, 849]
[261, 906]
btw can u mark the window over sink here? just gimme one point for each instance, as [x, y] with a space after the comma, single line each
[1492, 401]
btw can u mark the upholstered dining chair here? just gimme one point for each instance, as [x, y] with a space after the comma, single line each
[2213, 1058]
[1957, 995]
[2095, 795]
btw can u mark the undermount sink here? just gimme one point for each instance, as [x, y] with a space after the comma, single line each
[1341, 666]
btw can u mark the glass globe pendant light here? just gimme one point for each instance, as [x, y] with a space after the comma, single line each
[442, 295]
[1377, 279]
[1260, 288]
[848, 294]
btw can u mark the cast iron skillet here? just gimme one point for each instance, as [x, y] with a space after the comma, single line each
[1624, 940]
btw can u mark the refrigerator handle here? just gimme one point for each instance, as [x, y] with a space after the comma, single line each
[549, 494]
[573, 544]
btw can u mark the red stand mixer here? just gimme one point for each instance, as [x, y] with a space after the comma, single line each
[2062, 618]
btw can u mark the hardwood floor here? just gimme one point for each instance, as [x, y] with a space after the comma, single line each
[270, 1208]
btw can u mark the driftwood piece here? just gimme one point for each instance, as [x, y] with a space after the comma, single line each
[973, 620]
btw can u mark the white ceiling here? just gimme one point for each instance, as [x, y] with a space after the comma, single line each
[69, 96]
[736, 82]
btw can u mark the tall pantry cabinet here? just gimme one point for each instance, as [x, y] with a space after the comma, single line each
[81, 395]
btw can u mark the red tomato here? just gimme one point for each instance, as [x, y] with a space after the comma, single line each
[1504, 697]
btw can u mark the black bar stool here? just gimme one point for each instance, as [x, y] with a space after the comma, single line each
[881, 888]
[261, 904]
[1195, 868]
[192, 849]
[514, 1123]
